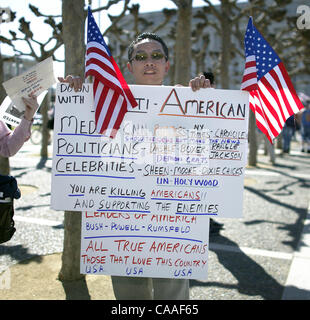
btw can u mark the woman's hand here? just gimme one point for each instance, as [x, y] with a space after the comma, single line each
[32, 105]
[75, 82]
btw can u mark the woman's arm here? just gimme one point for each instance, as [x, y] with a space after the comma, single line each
[12, 141]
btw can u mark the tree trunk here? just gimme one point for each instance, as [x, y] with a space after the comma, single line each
[183, 42]
[226, 32]
[4, 162]
[4, 165]
[73, 19]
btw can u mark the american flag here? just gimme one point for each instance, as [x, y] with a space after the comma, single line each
[112, 96]
[273, 98]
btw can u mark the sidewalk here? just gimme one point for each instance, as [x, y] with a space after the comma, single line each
[264, 256]
[298, 281]
[37, 279]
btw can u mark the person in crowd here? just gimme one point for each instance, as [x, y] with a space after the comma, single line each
[288, 132]
[305, 128]
[148, 62]
[12, 141]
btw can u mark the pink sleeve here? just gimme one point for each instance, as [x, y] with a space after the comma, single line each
[12, 141]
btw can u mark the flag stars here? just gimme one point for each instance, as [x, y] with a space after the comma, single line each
[265, 57]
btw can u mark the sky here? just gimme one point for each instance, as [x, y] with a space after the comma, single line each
[41, 30]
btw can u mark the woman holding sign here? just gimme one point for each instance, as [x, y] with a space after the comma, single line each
[12, 141]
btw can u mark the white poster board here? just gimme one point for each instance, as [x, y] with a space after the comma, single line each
[178, 152]
[144, 245]
[146, 196]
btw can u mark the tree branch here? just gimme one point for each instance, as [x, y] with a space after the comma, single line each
[214, 11]
[115, 20]
[168, 16]
[110, 3]
[36, 11]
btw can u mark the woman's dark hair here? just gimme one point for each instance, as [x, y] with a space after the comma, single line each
[147, 35]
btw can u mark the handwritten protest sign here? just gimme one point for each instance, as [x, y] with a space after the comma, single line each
[145, 245]
[146, 196]
[178, 152]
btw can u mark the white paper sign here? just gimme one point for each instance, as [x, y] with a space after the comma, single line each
[144, 245]
[179, 152]
[10, 114]
[35, 80]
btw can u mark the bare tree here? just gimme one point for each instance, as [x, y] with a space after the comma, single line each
[4, 162]
[183, 58]
[29, 38]
[73, 17]
[226, 19]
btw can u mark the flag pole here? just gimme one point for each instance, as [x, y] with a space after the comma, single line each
[252, 160]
